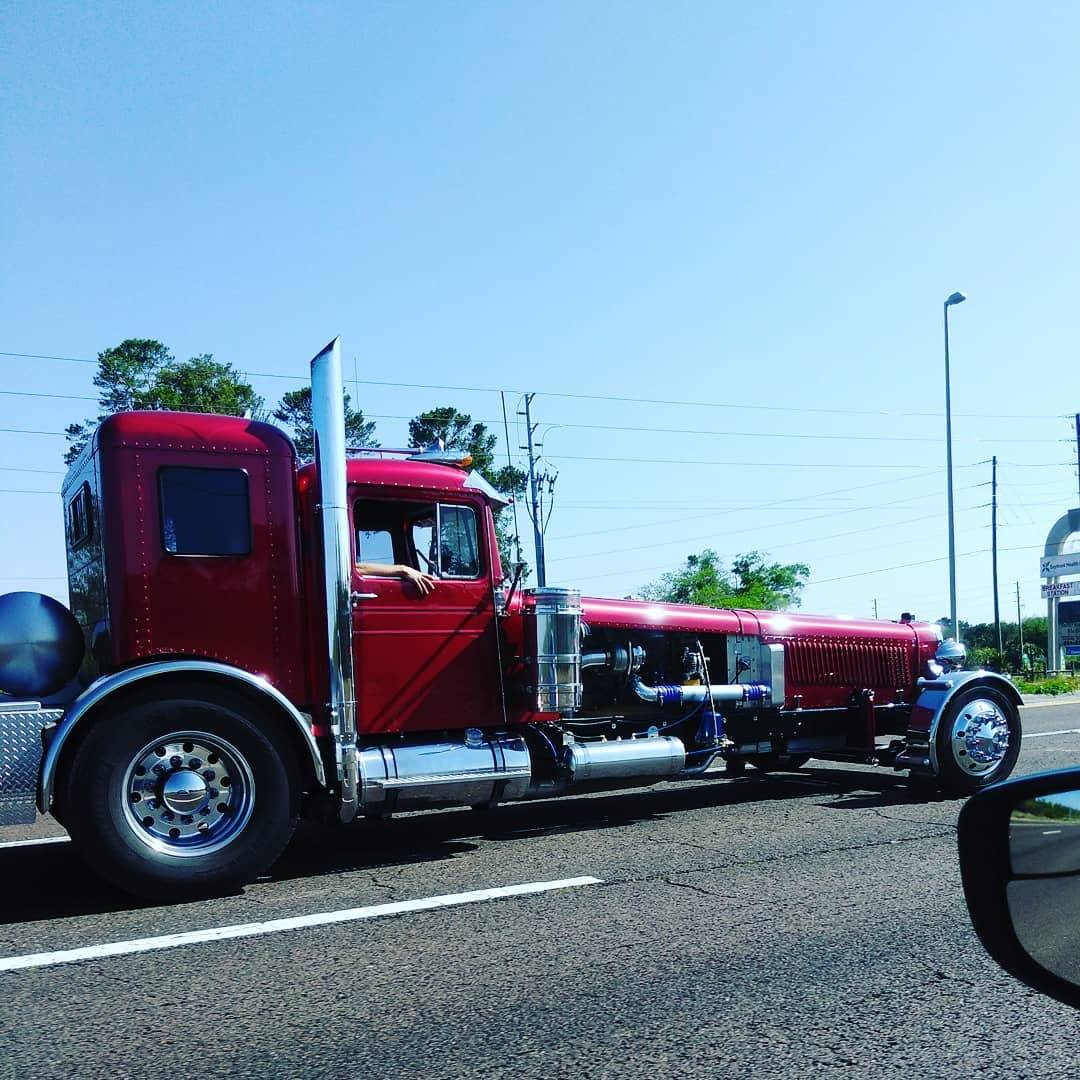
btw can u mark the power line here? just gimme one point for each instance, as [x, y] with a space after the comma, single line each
[191, 406]
[32, 393]
[734, 532]
[636, 430]
[777, 506]
[923, 562]
[41, 356]
[779, 503]
[576, 396]
[734, 464]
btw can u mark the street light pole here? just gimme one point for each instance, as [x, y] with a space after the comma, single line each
[955, 298]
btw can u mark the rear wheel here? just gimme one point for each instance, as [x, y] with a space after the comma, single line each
[978, 740]
[179, 797]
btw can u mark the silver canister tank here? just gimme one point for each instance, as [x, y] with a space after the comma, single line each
[553, 648]
[656, 757]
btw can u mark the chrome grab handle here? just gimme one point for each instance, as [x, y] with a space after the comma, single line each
[358, 596]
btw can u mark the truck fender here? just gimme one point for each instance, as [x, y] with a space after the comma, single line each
[935, 695]
[102, 690]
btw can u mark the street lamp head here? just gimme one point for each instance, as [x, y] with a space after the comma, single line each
[956, 298]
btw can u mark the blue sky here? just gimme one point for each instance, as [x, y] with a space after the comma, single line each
[743, 217]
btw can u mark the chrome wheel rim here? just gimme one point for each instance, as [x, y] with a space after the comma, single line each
[188, 794]
[981, 735]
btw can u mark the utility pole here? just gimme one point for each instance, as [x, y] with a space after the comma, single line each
[875, 607]
[1078, 457]
[538, 523]
[1020, 626]
[993, 544]
[510, 465]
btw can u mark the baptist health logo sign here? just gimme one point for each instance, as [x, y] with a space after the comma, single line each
[1059, 565]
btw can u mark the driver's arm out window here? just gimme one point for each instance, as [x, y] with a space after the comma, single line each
[389, 533]
[438, 540]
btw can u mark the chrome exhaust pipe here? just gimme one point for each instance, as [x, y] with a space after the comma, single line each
[328, 424]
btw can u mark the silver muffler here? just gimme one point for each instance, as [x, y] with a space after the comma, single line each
[654, 758]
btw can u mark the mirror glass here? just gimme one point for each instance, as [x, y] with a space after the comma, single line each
[1044, 835]
[1044, 842]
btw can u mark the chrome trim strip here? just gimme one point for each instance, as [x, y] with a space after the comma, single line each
[328, 424]
[98, 691]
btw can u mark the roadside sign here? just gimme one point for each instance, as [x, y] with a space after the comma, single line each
[1069, 623]
[1072, 650]
[1057, 565]
[1061, 588]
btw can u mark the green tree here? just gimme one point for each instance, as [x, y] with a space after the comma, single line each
[752, 582]
[125, 375]
[141, 373]
[981, 642]
[457, 431]
[203, 384]
[294, 410]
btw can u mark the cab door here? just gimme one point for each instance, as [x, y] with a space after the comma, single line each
[423, 663]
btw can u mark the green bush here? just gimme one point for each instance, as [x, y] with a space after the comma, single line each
[1057, 685]
[985, 657]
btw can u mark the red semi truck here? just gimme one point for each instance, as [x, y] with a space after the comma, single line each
[231, 670]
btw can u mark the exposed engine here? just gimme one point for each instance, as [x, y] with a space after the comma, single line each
[619, 708]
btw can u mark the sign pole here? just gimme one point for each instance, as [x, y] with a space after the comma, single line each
[1020, 626]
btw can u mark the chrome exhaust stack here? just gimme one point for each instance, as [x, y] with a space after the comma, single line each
[328, 424]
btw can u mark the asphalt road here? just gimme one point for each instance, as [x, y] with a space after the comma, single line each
[788, 925]
[1049, 847]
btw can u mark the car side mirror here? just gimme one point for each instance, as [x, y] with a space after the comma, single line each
[1020, 864]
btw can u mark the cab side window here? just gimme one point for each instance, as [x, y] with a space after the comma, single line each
[459, 556]
[440, 539]
[204, 511]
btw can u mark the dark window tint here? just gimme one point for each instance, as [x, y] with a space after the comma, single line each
[80, 517]
[205, 511]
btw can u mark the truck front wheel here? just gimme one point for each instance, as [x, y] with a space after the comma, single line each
[978, 740]
[177, 798]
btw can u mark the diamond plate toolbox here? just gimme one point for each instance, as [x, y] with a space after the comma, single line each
[21, 724]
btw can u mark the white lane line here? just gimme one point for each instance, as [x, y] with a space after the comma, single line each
[1047, 734]
[39, 840]
[1051, 832]
[275, 926]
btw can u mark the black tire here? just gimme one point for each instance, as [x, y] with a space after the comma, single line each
[140, 835]
[969, 763]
